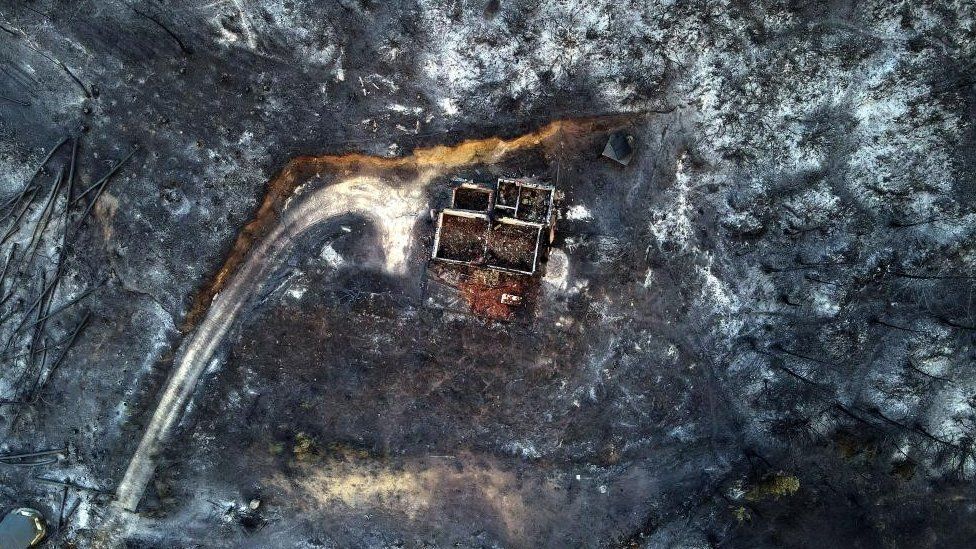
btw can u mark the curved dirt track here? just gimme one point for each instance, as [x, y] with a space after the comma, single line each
[394, 210]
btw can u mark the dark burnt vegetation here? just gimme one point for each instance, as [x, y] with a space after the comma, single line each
[50, 282]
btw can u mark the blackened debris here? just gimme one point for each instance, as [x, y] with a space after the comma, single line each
[472, 197]
[461, 236]
[534, 203]
[508, 193]
[513, 245]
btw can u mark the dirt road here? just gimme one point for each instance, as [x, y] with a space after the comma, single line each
[393, 209]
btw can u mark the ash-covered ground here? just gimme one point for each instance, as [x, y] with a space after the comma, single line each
[760, 333]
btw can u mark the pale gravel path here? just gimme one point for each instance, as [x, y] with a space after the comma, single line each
[394, 210]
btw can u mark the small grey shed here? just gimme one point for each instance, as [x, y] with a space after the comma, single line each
[620, 148]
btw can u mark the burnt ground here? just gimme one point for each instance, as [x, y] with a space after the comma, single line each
[760, 333]
[379, 383]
